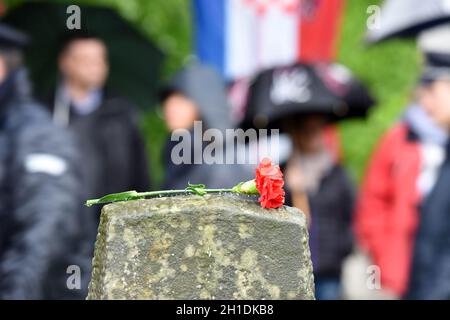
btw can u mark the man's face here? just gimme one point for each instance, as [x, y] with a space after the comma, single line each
[308, 137]
[84, 62]
[3, 69]
[179, 112]
[436, 100]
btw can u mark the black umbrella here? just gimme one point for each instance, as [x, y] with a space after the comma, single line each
[134, 61]
[327, 89]
[407, 18]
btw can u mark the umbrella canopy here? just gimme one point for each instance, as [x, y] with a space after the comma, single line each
[134, 61]
[407, 18]
[300, 89]
[435, 39]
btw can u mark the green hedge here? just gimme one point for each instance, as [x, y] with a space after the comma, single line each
[390, 71]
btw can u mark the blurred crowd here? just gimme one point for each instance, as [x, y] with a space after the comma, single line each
[82, 140]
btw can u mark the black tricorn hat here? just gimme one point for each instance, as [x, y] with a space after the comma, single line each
[11, 38]
[286, 92]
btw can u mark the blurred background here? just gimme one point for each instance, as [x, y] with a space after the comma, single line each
[170, 25]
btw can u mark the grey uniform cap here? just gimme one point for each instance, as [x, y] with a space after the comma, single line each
[435, 45]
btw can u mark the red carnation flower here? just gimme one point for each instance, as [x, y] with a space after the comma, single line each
[269, 182]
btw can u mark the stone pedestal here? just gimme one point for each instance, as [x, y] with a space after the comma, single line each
[194, 247]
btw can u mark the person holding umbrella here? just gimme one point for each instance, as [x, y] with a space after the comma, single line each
[112, 152]
[301, 100]
[104, 122]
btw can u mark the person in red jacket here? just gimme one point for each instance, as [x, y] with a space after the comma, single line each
[401, 173]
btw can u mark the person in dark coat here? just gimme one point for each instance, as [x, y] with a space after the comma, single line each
[39, 188]
[104, 124]
[197, 93]
[430, 270]
[317, 183]
[400, 185]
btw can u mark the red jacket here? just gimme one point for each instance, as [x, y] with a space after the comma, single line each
[387, 211]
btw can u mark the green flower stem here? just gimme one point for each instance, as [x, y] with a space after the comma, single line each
[141, 195]
[247, 187]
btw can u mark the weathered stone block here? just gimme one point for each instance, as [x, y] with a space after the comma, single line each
[194, 247]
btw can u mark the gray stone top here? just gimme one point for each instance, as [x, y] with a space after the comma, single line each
[217, 246]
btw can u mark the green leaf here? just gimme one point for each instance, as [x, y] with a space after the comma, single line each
[115, 197]
[198, 189]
